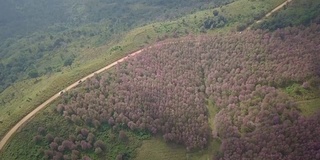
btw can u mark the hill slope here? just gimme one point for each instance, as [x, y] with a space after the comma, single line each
[40, 65]
[166, 90]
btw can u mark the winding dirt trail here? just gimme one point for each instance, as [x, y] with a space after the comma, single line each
[25, 119]
[274, 10]
[270, 13]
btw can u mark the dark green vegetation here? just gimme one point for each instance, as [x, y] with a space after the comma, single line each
[20, 18]
[297, 12]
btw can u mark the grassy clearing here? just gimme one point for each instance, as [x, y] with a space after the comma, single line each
[309, 107]
[299, 93]
[212, 113]
[157, 149]
[307, 98]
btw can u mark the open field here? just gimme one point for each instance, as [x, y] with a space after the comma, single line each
[157, 149]
[309, 107]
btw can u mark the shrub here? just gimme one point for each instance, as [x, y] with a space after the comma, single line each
[37, 139]
[49, 138]
[123, 136]
[100, 144]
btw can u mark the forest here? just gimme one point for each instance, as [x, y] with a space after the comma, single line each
[223, 91]
[166, 90]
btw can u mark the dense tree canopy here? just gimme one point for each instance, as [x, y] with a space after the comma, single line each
[165, 90]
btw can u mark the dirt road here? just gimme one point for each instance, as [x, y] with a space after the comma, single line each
[9, 134]
[274, 10]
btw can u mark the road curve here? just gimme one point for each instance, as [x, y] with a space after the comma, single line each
[9, 134]
[274, 10]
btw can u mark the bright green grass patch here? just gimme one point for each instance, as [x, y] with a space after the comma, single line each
[212, 113]
[157, 149]
[296, 90]
[307, 98]
[309, 107]
[299, 93]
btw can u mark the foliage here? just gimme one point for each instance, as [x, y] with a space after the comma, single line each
[309, 107]
[33, 74]
[297, 12]
[68, 62]
[60, 138]
[243, 81]
[34, 34]
[82, 43]
[275, 83]
[41, 43]
[165, 90]
[150, 103]
[214, 22]
[238, 15]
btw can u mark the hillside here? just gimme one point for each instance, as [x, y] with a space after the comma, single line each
[20, 18]
[37, 66]
[220, 83]
[298, 12]
[33, 30]
[168, 89]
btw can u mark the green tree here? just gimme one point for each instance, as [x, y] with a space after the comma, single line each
[68, 62]
[33, 74]
[215, 12]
